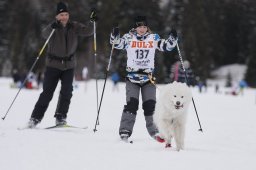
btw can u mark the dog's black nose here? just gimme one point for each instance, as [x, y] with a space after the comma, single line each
[178, 103]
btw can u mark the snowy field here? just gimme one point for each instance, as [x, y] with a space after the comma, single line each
[228, 141]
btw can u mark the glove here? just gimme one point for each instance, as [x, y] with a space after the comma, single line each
[174, 34]
[93, 16]
[115, 30]
[56, 24]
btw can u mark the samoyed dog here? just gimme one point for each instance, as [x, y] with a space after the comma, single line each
[171, 112]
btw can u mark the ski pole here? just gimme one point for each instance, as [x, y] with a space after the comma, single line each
[107, 71]
[200, 129]
[95, 64]
[24, 81]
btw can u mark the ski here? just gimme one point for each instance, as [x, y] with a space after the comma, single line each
[24, 128]
[65, 126]
[54, 127]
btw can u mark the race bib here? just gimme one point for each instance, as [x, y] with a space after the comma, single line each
[141, 54]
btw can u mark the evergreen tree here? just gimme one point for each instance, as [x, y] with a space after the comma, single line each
[173, 12]
[196, 37]
[250, 75]
[4, 41]
[211, 33]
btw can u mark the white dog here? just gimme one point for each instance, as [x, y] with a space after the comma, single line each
[171, 112]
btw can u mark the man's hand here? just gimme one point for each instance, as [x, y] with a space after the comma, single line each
[93, 16]
[56, 24]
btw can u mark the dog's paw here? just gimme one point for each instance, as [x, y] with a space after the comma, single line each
[168, 145]
[179, 148]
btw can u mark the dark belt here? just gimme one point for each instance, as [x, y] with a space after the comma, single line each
[140, 71]
[66, 58]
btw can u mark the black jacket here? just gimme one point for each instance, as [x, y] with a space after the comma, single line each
[63, 44]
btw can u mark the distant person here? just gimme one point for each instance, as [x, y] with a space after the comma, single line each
[60, 64]
[242, 85]
[175, 71]
[31, 81]
[39, 79]
[16, 79]
[115, 79]
[85, 73]
[200, 85]
[205, 85]
[85, 76]
[235, 90]
[217, 88]
[178, 74]
[23, 76]
[16, 76]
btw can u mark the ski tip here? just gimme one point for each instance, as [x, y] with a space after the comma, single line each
[23, 128]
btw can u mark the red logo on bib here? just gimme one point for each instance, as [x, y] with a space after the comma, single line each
[142, 44]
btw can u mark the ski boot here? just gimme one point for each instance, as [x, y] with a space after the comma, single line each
[32, 123]
[158, 138]
[60, 122]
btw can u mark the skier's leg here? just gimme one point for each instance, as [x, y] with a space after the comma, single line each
[65, 95]
[148, 92]
[50, 82]
[130, 109]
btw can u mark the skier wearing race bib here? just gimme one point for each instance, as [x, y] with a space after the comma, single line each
[140, 44]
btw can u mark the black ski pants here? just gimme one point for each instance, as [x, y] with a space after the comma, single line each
[51, 79]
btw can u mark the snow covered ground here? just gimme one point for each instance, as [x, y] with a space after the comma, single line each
[228, 141]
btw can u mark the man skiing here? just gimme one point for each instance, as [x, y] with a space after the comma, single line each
[140, 44]
[60, 63]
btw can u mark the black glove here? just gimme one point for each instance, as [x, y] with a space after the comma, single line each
[56, 24]
[174, 34]
[93, 16]
[115, 30]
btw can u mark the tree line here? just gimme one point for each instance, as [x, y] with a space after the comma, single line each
[211, 33]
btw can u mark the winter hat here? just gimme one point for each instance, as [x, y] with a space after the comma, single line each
[140, 21]
[61, 7]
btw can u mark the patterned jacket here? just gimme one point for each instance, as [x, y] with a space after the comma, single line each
[141, 53]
